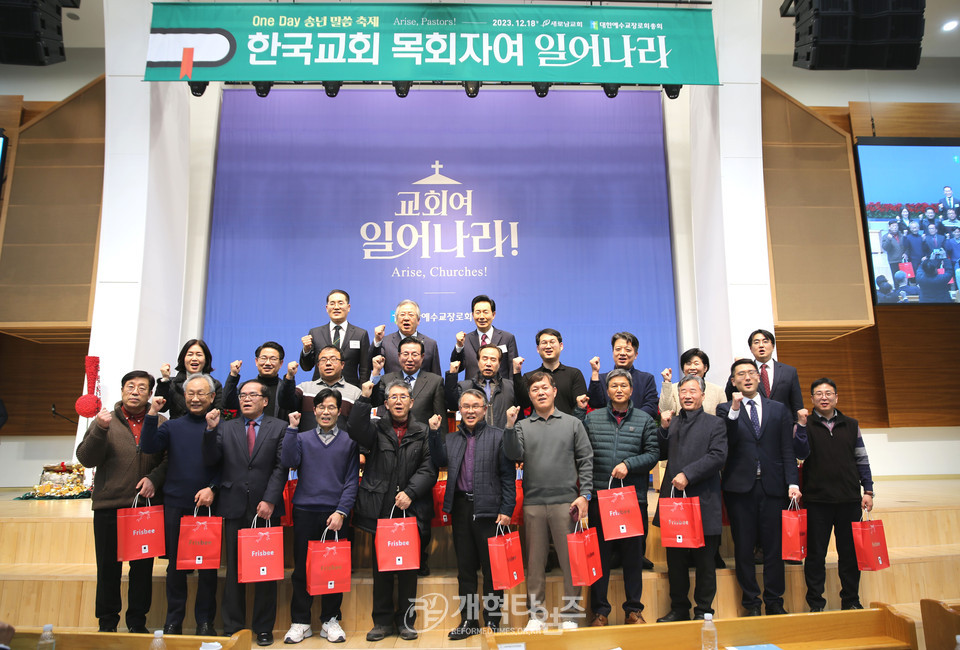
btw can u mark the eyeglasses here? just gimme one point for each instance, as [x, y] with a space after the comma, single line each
[398, 398]
[327, 407]
[131, 388]
[824, 393]
[329, 359]
[249, 396]
[746, 373]
[190, 394]
[472, 407]
[264, 359]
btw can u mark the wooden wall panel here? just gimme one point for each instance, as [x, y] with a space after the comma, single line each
[34, 376]
[901, 120]
[853, 361]
[918, 345]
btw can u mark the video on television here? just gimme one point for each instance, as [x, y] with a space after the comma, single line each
[911, 197]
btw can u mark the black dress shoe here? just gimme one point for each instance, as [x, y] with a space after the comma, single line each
[378, 633]
[423, 571]
[206, 629]
[776, 610]
[793, 562]
[698, 617]
[493, 626]
[647, 565]
[464, 630]
[408, 634]
[853, 606]
[674, 615]
[172, 628]
[264, 638]
[107, 629]
[753, 611]
[814, 610]
[138, 629]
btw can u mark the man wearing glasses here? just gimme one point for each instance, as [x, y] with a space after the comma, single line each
[351, 341]
[269, 359]
[398, 473]
[112, 445]
[247, 450]
[835, 469]
[189, 483]
[300, 397]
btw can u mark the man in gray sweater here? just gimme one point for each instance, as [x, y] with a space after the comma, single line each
[557, 483]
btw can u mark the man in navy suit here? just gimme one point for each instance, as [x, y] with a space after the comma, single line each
[778, 381]
[645, 396]
[484, 310]
[760, 473]
[247, 449]
[407, 317]
[352, 341]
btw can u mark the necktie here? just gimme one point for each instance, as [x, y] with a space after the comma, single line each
[754, 418]
[336, 336]
[483, 339]
[487, 389]
[251, 437]
[765, 380]
[409, 380]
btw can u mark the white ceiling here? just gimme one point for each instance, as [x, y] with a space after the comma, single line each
[778, 33]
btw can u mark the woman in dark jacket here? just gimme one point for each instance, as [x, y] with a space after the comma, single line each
[194, 359]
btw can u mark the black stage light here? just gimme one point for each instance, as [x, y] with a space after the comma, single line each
[332, 87]
[672, 91]
[611, 90]
[197, 87]
[541, 88]
[472, 88]
[262, 87]
[402, 88]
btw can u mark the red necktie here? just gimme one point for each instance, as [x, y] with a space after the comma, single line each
[765, 380]
[251, 437]
[483, 339]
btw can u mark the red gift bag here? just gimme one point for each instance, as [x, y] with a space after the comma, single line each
[140, 532]
[681, 525]
[620, 514]
[793, 531]
[517, 518]
[260, 553]
[440, 518]
[328, 566]
[907, 268]
[870, 544]
[506, 559]
[199, 544]
[583, 549]
[288, 489]
[398, 543]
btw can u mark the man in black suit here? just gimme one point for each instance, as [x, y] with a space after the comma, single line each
[407, 317]
[352, 341]
[487, 380]
[247, 449]
[694, 444]
[426, 390]
[468, 344]
[778, 381]
[760, 473]
[948, 200]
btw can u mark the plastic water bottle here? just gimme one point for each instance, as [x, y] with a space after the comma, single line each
[47, 640]
[708, 635]
[158, 643]
[957, 647]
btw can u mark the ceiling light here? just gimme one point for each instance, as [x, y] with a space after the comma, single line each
[950, 25]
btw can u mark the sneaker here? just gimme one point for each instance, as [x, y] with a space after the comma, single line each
[569, 625]
[533, 625]
[332, 632]
[298, 632]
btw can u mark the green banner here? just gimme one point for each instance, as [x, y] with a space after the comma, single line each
[430, 42]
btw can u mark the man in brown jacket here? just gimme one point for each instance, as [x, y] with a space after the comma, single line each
[112, 445]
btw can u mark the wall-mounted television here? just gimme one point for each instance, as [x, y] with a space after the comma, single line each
[910, 189]
[4, 144]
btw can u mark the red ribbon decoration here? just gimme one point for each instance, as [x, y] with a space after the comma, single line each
[186, 63]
